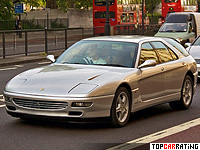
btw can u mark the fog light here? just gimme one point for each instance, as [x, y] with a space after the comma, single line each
[81, 104]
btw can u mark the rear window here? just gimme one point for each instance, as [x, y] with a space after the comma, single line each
[177, 46]
[103, 2]
[103, 14]
[171, 1]
[177, 18]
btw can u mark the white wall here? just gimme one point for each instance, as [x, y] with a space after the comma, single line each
[77, 17]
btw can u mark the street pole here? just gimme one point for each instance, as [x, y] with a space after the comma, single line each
[107, 23]
[19, 13]
[152, 10]
[142, 17]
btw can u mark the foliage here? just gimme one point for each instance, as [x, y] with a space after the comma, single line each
[83, 3]
[63, 4]
[151, 5]
[35, 3]
[55, 24]
[6, 9]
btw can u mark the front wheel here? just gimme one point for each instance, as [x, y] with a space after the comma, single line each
[186, 95]
[121, 108]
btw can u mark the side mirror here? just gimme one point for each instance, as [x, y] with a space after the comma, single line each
[51, 58]
[187, 45]
[147, 63]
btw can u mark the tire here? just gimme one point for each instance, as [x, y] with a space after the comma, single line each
[186, 95]
[121, 108]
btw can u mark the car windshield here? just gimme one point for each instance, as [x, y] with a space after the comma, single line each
[107, 53]
[173, 27]
[197, 42]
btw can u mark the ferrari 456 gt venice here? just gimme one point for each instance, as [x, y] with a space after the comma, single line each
[105, 77]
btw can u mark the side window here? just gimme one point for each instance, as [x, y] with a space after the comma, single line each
[147, 53]
[177, 45]
[172, 54]
[162, 51]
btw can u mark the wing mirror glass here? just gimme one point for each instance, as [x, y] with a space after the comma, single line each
[51, 58]
[147, 63]
[187, 45]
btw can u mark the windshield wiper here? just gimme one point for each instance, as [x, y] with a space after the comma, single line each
[180, 31]
[169, 31]
[115, 65]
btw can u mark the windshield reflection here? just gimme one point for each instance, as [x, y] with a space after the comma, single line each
[105, 53]
[174, 27]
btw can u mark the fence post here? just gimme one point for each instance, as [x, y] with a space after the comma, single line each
[65, 38]
[82, 33]
[26, 44]
[15, 43]
[46, 45]
[93, 31]
[129, 30]
[4, 46]
[56, 40]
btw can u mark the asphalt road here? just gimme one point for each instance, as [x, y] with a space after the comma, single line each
[18, 134]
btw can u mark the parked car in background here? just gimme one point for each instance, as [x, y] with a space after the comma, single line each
[194, 50]
[182, 26]
[105, 78]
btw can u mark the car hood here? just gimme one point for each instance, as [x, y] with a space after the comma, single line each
[175, 35]
[195, 52]
[62, 80]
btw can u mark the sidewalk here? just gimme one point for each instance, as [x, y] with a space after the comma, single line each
[21, 59]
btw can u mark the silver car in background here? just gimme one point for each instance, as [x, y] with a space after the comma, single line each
[194, 50]
[105, 78]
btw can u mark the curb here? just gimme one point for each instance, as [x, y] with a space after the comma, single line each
[17, 60]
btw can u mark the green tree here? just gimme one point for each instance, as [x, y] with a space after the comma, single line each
[35, 3]
[83, 3]
[6, 9]
[151, 4]
[64, 4]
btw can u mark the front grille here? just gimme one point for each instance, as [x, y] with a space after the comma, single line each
[35, 104]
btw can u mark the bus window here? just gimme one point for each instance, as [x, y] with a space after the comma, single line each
[131, 17]
[171, 1]
[124, 18]
[103, 2]
[103, 14]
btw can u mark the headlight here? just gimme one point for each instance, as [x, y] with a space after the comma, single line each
[179, 40]
[14, 84]
[82, 88]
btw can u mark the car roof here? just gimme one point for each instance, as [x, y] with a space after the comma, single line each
[123, 38]
[183, 13]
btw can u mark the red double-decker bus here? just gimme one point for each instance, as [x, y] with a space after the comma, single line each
[121, 12]
[169, 6]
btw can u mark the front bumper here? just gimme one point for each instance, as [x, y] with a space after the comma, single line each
[100, 106]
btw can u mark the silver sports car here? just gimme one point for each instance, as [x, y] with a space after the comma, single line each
[194, 50]
[105, 78]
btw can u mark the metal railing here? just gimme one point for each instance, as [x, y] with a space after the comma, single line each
[14, 42]
[25, 42]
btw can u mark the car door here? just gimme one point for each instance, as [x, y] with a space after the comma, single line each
[152, 80]
[173, 68]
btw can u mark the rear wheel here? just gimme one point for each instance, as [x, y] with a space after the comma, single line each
[121, 108]
[186, 95]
